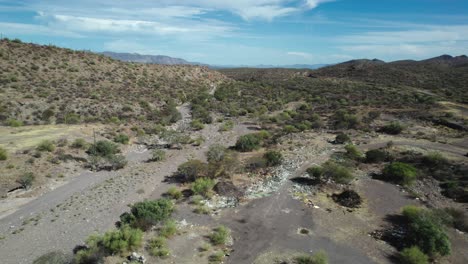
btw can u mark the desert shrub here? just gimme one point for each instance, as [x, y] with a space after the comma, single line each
[145, 214]
[248, 142]
[118, 241]
[48, 114]
[342, 138]
[197, 125]
[3, 154]
[228, 125]
[203, 186]
[343, 120]
[318, 258]
[158, 247]
[376, 156]
[217, 257]
[435, 160]
[103, 148]
[122, 240]
[46, 145]
[79, 143]
[394, 128]
[400, 173]
[216, 153]
[158, 155]
[174, 193]
[14, 123]
[425, 230]
[336, 172]
[273, 158]
[352, 152]
[55, 257]
[72, 118]
[191, 170]
[413, 255]
[121, 138]
[169, 229]
[220, 236]
[116, 162]
[315, 172]
[26, 180]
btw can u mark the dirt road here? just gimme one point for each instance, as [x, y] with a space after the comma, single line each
[92, 202]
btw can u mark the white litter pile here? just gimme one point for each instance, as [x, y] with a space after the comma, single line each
[273, 183]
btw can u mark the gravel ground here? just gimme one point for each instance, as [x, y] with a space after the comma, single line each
[93, 201]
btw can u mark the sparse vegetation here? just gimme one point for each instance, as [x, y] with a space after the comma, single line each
[158, 155]
[203, 186]
[318, 258]
[400, 173]
[169, 229]
[413, 255]
[158, 247]
[376, 156]
[426, 231]
[248, 142]
[46, 145]
[79, 143]
[121, 138]
[273, 158]
[220, 236]
[3, 154]
[146, 214]
[174, 193]
[342, 138]
[26, 180]
[394, 128]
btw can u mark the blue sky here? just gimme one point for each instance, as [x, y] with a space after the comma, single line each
[247, 32]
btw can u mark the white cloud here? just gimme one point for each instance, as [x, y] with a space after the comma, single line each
[35, 30]
[304, 55]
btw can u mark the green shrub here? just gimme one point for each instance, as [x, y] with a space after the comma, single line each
[343, 120]
[318, 258]
[413, 255]
[400, 172]
[174, 193]
[197, 125]
[55, 257]
[72, 118]
[315, 172]
[394, 128]
[336, 172]
[158, 247]
[228, 125]
[122, 240]
[203, 186]
[216, 153]
[169, 229]
[217, 257]
[425, 230]
[435, 160]
[158, 155]
[121, 138]
[103, 148]
[119, 241]
[273, 158]
[376, 156]
[46, 145]
[145, 214]
[248, 142]
[352, 152]
[26, 180]
[14, 123]
[79, 143]
[3, 154]
[191, 170]
[116, 162]
[220, 236]
[342, 138]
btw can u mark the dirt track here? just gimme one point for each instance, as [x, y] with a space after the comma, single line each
[64, 217]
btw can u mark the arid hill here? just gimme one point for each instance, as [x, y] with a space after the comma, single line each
[47, 84]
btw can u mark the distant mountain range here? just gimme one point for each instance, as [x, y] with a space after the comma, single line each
[150, 59]
[162, 59]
